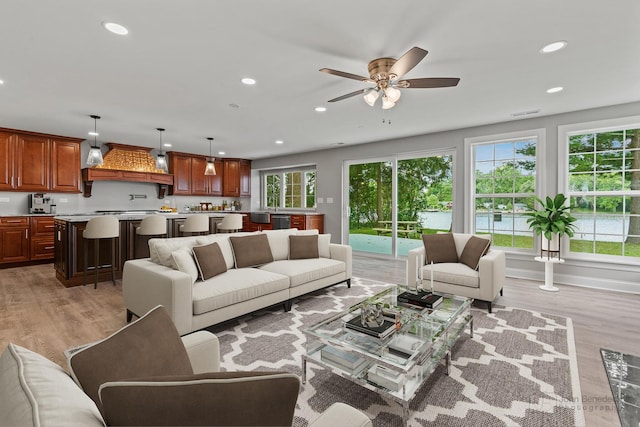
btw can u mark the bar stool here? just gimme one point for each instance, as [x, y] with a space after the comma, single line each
[230, 223]
[98, 228]
[195, 224]
[150, 226]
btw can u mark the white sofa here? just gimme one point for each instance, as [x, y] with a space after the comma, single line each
[170, 278]
[457, 278]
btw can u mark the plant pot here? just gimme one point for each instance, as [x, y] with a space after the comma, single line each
[550, 248]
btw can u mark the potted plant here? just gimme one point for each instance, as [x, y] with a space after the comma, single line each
[552, 222]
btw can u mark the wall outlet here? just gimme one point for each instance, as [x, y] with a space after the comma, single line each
[5, 199]
[320, 200]
[63, 200]
[329, 199]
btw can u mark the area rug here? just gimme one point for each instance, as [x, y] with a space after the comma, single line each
[519, 369]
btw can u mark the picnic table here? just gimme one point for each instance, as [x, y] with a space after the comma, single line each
[404, 228]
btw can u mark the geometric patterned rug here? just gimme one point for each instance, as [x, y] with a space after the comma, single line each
[519, 369]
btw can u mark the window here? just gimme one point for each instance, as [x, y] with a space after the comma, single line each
[602, 172]
[290, 189]
[503, 183]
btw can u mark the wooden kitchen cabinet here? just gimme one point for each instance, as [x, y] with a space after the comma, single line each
[205, 185]
[237, 178]
[308, 222]
[245, 178]
[42, 238]
[180, 167]
[31, 161]
[232, 179]
[14, 239]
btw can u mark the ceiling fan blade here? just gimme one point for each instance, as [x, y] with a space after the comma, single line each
[349, 95]
[408, 61]
[429, 82]
[343, 74]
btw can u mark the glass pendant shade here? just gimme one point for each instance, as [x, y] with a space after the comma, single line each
[161, 159]
[95, 154]
[392, 94]
[370, 98]
[211, 166]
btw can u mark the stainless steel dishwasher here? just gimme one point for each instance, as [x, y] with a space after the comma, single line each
[281, 221]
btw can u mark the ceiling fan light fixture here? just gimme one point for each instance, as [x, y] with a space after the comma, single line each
[211, 166]
[371, 97]
[387, 103]
[94, 158]
[161, 159]
[392, 94]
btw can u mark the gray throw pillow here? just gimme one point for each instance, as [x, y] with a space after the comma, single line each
[251, 251]
[148, 347]
[475, 249]
[303, 247]
[210, 260]
[439, 248]
[210, 399]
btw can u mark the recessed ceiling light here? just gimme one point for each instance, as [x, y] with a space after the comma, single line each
[555, 89]
[222, 153]
[92, 133]
[553, 47]
[115, 28]
[248, 81]
[234, 106]
[279, 141]
[1, 82]
[321, 109]
[167, 145]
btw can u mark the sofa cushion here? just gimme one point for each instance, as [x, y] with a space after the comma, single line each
[439, 248]
[475, 249]
[301, 271]
[211, 399]
[223, 241]
[210, 260]
[303, 247]
[37, 392]
[279, 242]
[182, 260]
[251, 251]
[455, 273]
[149, 346]
[160, 249]
[235, 286]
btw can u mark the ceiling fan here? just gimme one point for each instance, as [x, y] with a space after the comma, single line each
[386, 73]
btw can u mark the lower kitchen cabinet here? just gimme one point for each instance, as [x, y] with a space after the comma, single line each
[42, 238]
[24, 239]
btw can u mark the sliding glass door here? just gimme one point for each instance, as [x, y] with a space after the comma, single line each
[392, 202]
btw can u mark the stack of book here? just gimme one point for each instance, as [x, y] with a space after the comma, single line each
[342, 359]
[383, 331]
[421, 298]
[385, 377]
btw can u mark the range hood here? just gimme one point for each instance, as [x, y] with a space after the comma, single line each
[127, 163]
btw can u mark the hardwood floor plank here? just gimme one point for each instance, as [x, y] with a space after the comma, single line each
[41, 314]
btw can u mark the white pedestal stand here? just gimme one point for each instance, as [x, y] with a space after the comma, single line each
[548, 273]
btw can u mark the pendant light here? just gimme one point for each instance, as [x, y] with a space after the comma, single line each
[161, 159]
[95, 154]
[211, 167]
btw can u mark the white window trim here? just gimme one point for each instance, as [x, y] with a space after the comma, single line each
[564, 131]
[469, 174]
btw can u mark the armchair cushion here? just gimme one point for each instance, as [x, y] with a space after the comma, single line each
[439, 248]
[210, 260]
[149, 346]
[475, 248]
[211, 399]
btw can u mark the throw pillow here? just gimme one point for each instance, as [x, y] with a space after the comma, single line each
[439, 248]
[475, 249]
[303, 247]
[37, 392]
[182, 260]
[210, 260]
[251, 251]
[324, 245]
[211, 399]
[150, 346]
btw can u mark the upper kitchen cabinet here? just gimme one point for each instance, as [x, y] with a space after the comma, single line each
[32, 161]
[180, 167]
[237, 178]
[205, 185]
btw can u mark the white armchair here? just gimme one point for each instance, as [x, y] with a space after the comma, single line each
[457, 278]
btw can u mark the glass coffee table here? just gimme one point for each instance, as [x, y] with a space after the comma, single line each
[395, 365]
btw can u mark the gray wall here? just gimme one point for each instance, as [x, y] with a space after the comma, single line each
[329, 164]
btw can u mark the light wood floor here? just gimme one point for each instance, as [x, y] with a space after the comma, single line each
[39, 313]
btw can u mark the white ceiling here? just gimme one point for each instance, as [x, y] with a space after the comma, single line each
[181, 64]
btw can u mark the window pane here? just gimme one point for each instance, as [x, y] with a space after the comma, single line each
[609, 161]
[483, 152]
[310, 179]
[609, 140]
[581, 163]
[581, 143]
